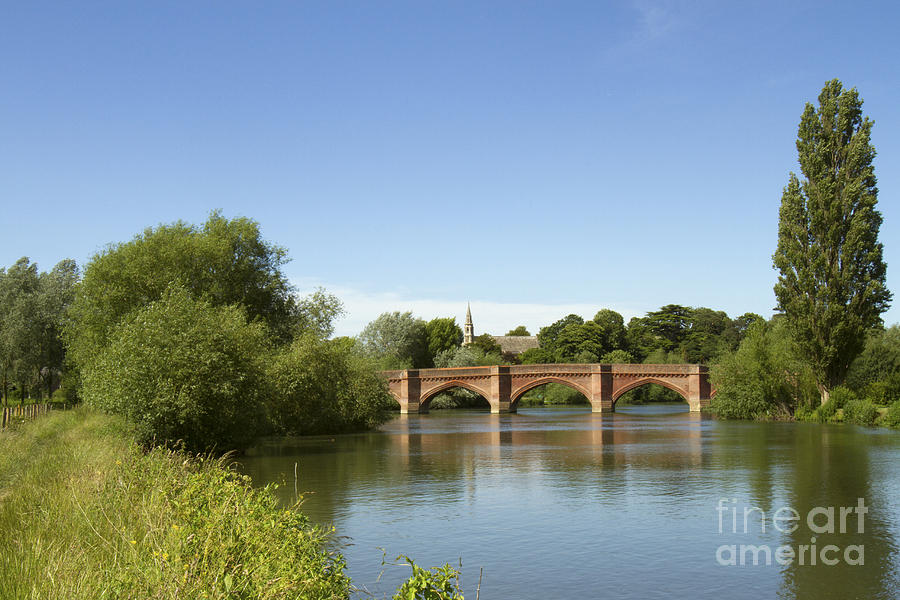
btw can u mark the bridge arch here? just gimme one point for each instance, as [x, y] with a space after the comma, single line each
[428, 396]
[517, 394]
[632, 385]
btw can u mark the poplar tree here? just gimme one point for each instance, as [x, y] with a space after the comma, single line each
[831, 285]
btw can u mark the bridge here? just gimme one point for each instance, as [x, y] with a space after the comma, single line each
[503, 386]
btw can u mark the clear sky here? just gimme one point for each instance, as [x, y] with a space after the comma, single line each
[534, 158]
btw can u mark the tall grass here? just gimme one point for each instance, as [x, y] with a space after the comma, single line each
[84, 513]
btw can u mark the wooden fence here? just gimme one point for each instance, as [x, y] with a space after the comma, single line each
[25, 411]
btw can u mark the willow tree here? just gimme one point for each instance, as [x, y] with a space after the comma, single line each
[831, 285]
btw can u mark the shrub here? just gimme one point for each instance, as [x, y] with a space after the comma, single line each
[840, 395]
[828, 412]
[892, 417]
[806, 414]
[183, 370]
[860, 412]
[763, 378]
[326, 386]
[66, 393]
[883, 393]
[438, 583]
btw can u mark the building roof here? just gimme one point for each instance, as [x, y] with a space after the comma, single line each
[516, 344]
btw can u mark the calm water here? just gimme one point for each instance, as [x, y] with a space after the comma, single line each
[563, 503]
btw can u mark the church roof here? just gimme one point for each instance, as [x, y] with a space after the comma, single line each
[516, 344]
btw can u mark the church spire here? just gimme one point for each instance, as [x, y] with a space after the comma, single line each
[469, 331]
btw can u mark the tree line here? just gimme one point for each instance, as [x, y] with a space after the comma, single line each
[672, 334]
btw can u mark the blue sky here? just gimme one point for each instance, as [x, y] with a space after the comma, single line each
[532, 158]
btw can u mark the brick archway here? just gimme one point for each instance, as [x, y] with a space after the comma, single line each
[502, 386]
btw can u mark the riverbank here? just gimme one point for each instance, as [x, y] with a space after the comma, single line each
[85, 514]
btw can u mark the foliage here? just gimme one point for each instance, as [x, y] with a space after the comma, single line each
[762, 378]
[457, 398]
[831, 283]
[571, 339]
[583, 342]
[442, 334]
[183, 369]
[439, 583]
[487, 344]
[548, 335]
[32, 307]
[535, 356]
[828, 412]
[316, 314]
[520, 330]
[612, 325]
[224, 262]
[860, 412]
[86, 514]
[551, 394]
[396, 341]
[883, 393]
[892, 417]
[649, 394]
[467, 356]
[692, 335]
[617, 357]
[876, 371]
[325, 386]
[841, 395]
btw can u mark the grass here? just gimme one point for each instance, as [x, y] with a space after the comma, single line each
[84, 513]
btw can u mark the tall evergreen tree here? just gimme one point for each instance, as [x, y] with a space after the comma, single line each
[831, 285]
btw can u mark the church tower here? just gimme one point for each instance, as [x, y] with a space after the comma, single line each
[469, 330]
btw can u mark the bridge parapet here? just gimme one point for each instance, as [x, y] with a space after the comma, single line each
[678, 369]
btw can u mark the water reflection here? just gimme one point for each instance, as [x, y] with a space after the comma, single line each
[564, 502]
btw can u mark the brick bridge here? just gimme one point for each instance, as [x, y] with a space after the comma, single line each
[502, 386]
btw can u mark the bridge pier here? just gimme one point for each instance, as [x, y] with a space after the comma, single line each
[601, 397]
[410, 393]
[501, 384]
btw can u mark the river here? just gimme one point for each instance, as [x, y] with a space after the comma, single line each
[648, 502]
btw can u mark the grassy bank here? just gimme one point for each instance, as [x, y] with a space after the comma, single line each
[85, 514]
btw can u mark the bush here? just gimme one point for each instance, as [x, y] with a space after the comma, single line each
[892, 417]
[883, 393]
[763, 378]
[183, 370]
[837, 399]
[805, 414]
[552, 394]
[827, 412]
[326, 386]
[67, 392]
[457, 398]
[840, 396]
[860, 412]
